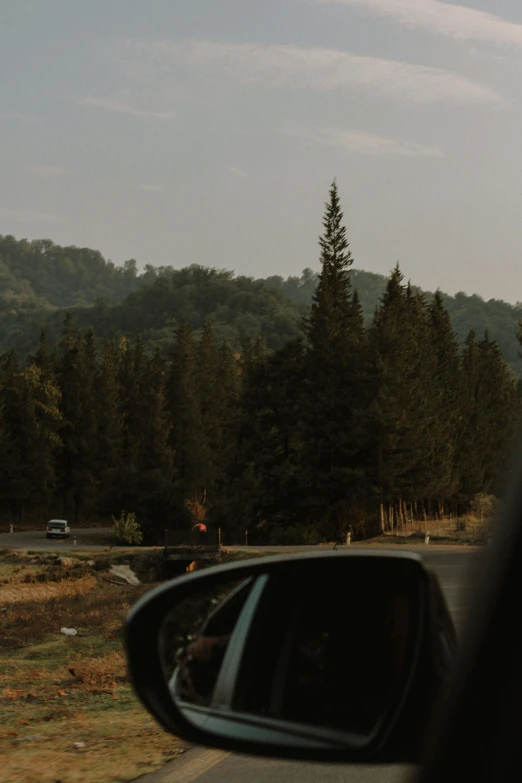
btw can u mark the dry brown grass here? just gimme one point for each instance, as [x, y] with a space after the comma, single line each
[120, 744]
[24, 593]
[82, 674]
[56, 691]
[99, 607]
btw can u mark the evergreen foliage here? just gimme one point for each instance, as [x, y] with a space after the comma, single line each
[207, 397]
[40, 281]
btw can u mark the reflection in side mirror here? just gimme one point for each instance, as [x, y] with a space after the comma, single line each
[195, 637]
[300, 656]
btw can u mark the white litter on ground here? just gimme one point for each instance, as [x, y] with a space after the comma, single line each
[125, 573]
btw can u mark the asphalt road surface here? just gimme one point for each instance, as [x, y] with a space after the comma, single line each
[458, 569]
[89, 539]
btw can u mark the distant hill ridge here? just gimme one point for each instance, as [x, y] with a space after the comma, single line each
[40, 280]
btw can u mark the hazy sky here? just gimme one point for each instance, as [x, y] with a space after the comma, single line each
[208, 131]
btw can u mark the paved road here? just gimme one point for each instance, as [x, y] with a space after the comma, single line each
[458, 569]
[213, 766]
[89, 539]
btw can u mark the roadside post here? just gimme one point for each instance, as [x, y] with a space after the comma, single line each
[348, 539]
[427, 538]
[11, 528]
[246, 537]
[74, 540]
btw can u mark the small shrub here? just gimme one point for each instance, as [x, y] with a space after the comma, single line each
[126, 529]
[484, 506]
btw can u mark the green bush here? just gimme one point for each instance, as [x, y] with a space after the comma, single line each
[126, 529]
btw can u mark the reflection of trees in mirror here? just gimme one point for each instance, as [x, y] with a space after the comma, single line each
[195, 636]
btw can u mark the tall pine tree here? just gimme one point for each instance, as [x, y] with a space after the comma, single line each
[188, 439]
[331, 398]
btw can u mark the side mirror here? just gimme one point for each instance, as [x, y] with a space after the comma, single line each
[327, 657]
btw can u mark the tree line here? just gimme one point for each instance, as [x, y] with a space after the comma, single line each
[348, 425]
[40, 281]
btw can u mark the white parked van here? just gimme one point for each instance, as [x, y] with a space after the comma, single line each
[58, 528]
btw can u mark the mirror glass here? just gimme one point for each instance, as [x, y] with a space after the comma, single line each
[195, 637]
[323, 648]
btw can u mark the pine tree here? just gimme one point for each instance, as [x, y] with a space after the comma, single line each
[89, 372]
[404, 413]
[129, 416]
[141, 482]
[331, 398]
[155, 452]
[446, 391]
[218, 380]
[108, 437]
[156, 499]
[209, 400]
[421, 371]
[236, 505]
[42, 418]
[76, 463]
[277, 457]
[490, 412]
[497, 412]
[469, 459]
[227, 413]
[328, 326]
[43, 358]
[187, 440]
[12, 488]
[29, 439]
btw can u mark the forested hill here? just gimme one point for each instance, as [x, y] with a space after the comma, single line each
[40, 280]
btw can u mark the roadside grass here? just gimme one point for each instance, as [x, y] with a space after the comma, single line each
[56, 690]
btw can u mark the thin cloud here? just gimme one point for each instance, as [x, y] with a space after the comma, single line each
[123, 108]
[152, 188]
[237, 172]
[309, 68]
[12, 115]
[28, 216]
[17, 116]
[362, 143]
[451, 21]
[47, 171]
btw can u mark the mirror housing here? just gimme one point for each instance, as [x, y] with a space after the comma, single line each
[225, 722]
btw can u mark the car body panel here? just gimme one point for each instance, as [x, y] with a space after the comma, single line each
[58, 528]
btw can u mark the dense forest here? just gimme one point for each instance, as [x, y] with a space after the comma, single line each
[347, 419]
[40, 281]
